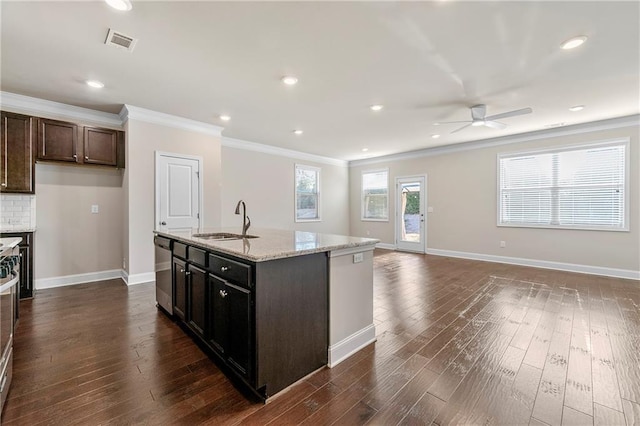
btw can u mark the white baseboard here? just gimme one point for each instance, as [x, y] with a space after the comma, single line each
[52, 282]
[386, 246]
[138, 278]
[350, 345]
[545, 264]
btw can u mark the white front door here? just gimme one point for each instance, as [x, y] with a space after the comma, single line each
[410, 218]
[178, 191]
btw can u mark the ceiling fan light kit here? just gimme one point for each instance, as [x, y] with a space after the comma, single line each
[479, 118]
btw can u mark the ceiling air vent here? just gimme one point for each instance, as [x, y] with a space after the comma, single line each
[120, 40]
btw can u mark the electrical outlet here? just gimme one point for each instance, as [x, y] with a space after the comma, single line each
[503, 244]
[95, 208]
[358, 257]
[429, 209]
[124, 263]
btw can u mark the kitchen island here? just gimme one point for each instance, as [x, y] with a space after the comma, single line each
[274, 306]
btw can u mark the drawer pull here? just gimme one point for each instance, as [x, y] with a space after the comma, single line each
[224, 268]
[223, 294]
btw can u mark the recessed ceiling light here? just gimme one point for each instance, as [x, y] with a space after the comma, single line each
[376, 107]
[298, 132]
[365, 149]
[289, 80]
[120, 4]
[576, 108]
[436, 124]
[225, 117]
[573, 42]
[95, 84]
[435, 136]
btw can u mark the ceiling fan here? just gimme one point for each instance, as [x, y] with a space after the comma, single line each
[479, 118]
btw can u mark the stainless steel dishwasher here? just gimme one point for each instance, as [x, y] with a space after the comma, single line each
[164, 290]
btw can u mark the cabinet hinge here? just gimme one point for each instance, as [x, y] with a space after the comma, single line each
[198, 215]
[198, 174]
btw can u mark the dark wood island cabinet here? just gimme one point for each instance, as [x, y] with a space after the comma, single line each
[265, 321]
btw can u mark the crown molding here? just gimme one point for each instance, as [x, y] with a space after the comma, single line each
[273, 150]
[136, 113]
[42, 107]
[593, 126]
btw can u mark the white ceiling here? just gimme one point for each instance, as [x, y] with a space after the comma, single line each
[424, 61]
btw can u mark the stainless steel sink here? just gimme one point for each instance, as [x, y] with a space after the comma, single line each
[220, 236]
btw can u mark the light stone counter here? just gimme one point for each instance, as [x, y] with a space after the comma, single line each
[270, 244]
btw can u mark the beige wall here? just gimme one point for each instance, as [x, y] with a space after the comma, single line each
[461, 188]
[143, 139]
[266, 184]
[70, 239]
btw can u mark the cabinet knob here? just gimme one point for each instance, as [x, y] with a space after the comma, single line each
[182, 271]
[187, 273]
[86, 157]
[75, 156]
[224, 268]
[223, 294]
[4, 184]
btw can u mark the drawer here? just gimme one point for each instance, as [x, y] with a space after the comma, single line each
[179, 249]
[230, 270]
[197, 256]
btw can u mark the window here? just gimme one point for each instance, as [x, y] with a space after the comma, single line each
[375, 195]
[581, 187]
[307, 193]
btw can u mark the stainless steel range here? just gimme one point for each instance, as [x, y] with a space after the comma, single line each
[9, 278]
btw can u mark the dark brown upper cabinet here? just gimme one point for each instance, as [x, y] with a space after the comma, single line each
[74, 143]
[16, 153]
[100, 146]
[58, 141]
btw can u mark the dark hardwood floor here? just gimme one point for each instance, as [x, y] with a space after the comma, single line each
[459, 342]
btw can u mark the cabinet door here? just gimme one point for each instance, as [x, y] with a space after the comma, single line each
[180, 288]
[217, 316]
[16, 155]
[238, 313]
[197, 282]
[57, 141]
[100, 146]
[26, 289]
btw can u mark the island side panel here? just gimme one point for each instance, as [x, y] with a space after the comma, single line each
[291, 319]
[350, 302]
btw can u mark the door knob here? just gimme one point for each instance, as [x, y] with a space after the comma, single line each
[223, 294]
[163, 223]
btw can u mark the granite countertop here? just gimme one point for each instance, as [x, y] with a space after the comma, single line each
[270, 244]
[17, 230]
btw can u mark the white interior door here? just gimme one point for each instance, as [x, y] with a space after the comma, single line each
[178, 191]
[410, 218]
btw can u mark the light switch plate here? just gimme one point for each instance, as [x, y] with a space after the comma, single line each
[95, 208]
[358, 257]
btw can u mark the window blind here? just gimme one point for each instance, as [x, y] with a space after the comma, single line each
[578, 187]
[375, 195]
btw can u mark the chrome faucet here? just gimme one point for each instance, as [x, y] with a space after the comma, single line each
[246, 221]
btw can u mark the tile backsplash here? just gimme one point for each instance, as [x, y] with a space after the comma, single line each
[17, 212]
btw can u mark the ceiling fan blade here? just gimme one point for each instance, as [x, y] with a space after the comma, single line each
[478, 111]
[450, 122]
[463, 127]
[495, 124]
[510, 114]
